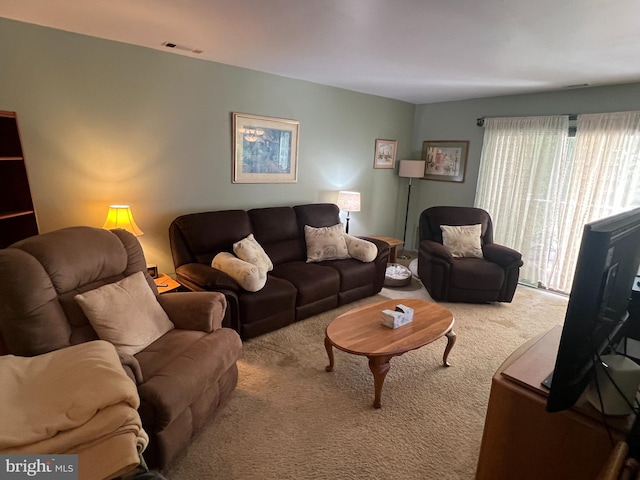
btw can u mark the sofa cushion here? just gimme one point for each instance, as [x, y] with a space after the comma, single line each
[325, 243]
[276, 302]
[177, 367]
[361, 249]
[276, 229]
[313, 282]
[476, 274]
[353, 273]
[463, 240]
[126, 313]
[198, 237]
[249, 250]
[249, 276]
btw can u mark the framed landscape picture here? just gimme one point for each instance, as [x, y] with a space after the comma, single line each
[385, 154]
[445, 161]
[265, 149]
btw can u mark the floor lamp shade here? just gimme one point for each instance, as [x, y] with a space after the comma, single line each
[348, 202]
[409, 169]
[412, 168]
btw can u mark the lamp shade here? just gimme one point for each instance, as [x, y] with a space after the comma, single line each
[411, 168]
[120, 216]
[349, 201]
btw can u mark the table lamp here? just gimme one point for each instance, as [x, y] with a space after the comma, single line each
[120, 216]
[409, 169]
[348, 202]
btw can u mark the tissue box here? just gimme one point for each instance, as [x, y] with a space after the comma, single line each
[398, 317]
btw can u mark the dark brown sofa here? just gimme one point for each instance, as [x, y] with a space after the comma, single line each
[295, 289]
[182, 378]
[493, 278]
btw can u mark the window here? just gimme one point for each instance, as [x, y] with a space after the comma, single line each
[541, 185]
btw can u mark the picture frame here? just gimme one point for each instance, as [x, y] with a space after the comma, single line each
[265, 149]
[385, 153]
[445, 160]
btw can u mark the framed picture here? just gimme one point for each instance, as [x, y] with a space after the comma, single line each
[445, 161]
[265, 149]
[385, 155]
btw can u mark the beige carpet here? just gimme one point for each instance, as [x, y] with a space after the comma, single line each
[289, 419]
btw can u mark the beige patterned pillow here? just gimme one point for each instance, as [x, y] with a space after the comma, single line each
[249, 276]
[325, 243]
[463, 240]
[361, 249]
[249, 250]
[125, 313]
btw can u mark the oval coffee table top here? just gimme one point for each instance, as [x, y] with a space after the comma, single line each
[360, 331]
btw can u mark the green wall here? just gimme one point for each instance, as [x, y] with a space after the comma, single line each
[104, 122]
[457, 121]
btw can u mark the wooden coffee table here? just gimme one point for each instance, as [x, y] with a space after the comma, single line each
[360, 332]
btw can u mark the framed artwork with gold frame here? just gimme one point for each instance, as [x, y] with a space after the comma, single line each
[265, 149]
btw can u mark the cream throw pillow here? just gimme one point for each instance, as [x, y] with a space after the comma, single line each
[249, 276]
[325, 243]
[463, 241]
[249, 250]
[126, 313]
[361, 249]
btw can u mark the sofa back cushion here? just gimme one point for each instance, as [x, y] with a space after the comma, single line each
[276, 230]
[198, 237]
[317, 215]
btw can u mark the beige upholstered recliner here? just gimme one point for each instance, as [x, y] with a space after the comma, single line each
[182, 377]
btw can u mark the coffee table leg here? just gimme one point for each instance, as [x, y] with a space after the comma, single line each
[329, 347]
[451, 340]
[379, 366]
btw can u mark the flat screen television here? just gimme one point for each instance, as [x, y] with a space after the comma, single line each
[606, 269]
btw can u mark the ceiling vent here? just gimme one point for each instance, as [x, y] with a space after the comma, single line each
[184, 48]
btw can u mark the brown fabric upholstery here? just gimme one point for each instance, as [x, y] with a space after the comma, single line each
[295, 289]
[182, 378]
[493, 278]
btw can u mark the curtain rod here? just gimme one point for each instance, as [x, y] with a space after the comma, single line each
[480, 121]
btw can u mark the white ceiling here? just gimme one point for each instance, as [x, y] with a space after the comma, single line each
[420, 51]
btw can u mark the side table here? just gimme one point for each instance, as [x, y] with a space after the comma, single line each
[393, 243]
[166, 284]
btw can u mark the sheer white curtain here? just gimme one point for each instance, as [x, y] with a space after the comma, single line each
[601, 177]
[541, 186]
[518, 186]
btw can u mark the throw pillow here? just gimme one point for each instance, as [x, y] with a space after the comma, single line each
[249, 250]
[249, 276]
[361, 249]
[463, 240]
[125, 313]
[325, 243]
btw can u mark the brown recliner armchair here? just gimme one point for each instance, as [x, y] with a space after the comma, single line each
[492, 278]
[182, 377]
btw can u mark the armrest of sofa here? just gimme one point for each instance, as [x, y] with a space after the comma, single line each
[435, 249]
[203, 311]
[198, 276]
[504, 256]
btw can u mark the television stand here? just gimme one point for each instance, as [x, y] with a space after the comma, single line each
[522, 440]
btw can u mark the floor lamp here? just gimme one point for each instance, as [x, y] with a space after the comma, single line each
[409, 169]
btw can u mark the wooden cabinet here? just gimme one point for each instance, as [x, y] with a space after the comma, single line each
[17, 217]
[522, 440]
